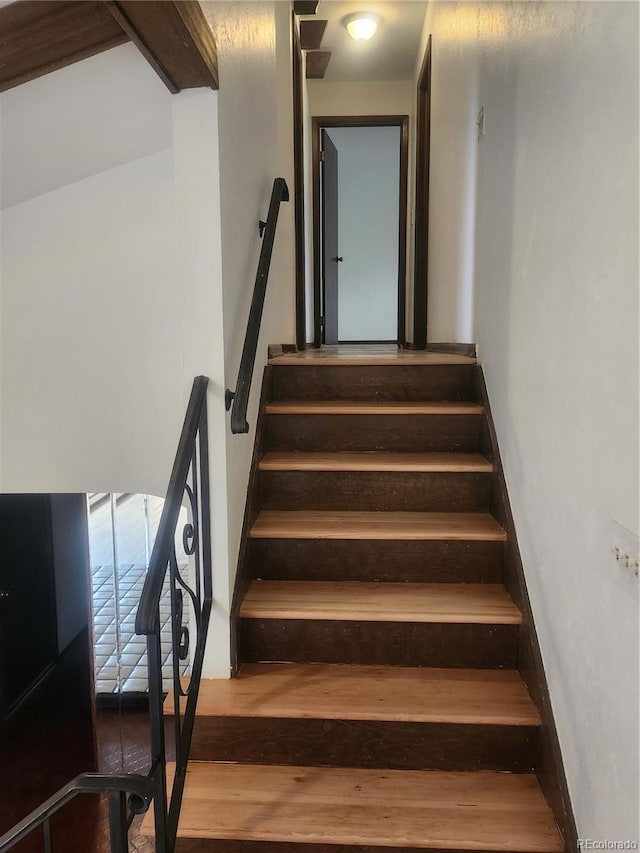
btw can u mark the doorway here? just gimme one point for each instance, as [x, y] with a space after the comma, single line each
[359, 224]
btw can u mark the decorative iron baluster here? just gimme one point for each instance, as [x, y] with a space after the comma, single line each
[190, 592]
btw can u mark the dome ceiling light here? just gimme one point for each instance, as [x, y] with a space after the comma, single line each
[362, 26]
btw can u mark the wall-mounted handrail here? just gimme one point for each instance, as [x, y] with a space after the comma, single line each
[140, 791]
[240, 397]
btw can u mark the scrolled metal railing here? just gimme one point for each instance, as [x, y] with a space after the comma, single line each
[189, 483]
[239, 399]
[190, 479]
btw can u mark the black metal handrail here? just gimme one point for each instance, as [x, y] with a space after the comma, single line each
[240, 397]
[139, 788]
[189, 479]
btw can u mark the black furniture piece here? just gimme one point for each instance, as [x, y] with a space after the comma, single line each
[44, 588]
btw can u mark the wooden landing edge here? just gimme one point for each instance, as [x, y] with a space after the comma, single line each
[406, 360]
[551, 773]
[441, 347]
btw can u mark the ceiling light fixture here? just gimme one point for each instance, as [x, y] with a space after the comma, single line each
[362, 25]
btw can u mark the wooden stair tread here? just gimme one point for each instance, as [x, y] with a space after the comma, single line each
[351, 692]
[374, 461]
[487, 604]
[382, 808]
[324, 524]
[375, 356]
[340, 407]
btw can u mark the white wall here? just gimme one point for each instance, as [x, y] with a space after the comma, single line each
[556, 320]
[88, 272]
[88, 275]
[254, 90]
[80, 121]
[452, 185]
[111, 287]
[356, 99]
[368, 176]
[198, 214]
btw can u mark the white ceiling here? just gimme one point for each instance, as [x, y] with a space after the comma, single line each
[390, 55]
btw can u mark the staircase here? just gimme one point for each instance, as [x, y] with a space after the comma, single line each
[378, 702]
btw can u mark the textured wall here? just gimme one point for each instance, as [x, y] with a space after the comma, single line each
[255, 86]
[556, 311]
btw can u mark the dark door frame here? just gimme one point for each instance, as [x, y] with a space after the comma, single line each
[319, 123]
[329, 239]
[298, 183]
[421, 237]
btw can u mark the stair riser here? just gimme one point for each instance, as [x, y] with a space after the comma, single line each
[394, 643]
[209, 845]
[404, 383]
[383, 560]
[410, 433]
[348, 743]
[374, 490]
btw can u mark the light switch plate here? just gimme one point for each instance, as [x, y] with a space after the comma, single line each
[625, 549]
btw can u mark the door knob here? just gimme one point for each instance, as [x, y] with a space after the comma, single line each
[340, 260]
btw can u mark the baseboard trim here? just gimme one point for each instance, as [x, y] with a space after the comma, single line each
[242, 579]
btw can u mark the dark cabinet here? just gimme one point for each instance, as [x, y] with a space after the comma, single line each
[44, 587]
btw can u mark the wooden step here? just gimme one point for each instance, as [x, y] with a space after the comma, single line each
[371, 461]
[440, 625]
[388, 809]
[382, 482]
[373, 382]
[377, 525]
[350, 407]
[380, 693]
[484, 604]
[367, 716]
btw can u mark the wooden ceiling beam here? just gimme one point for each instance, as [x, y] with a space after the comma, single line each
[174, 37]
[40, 36]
